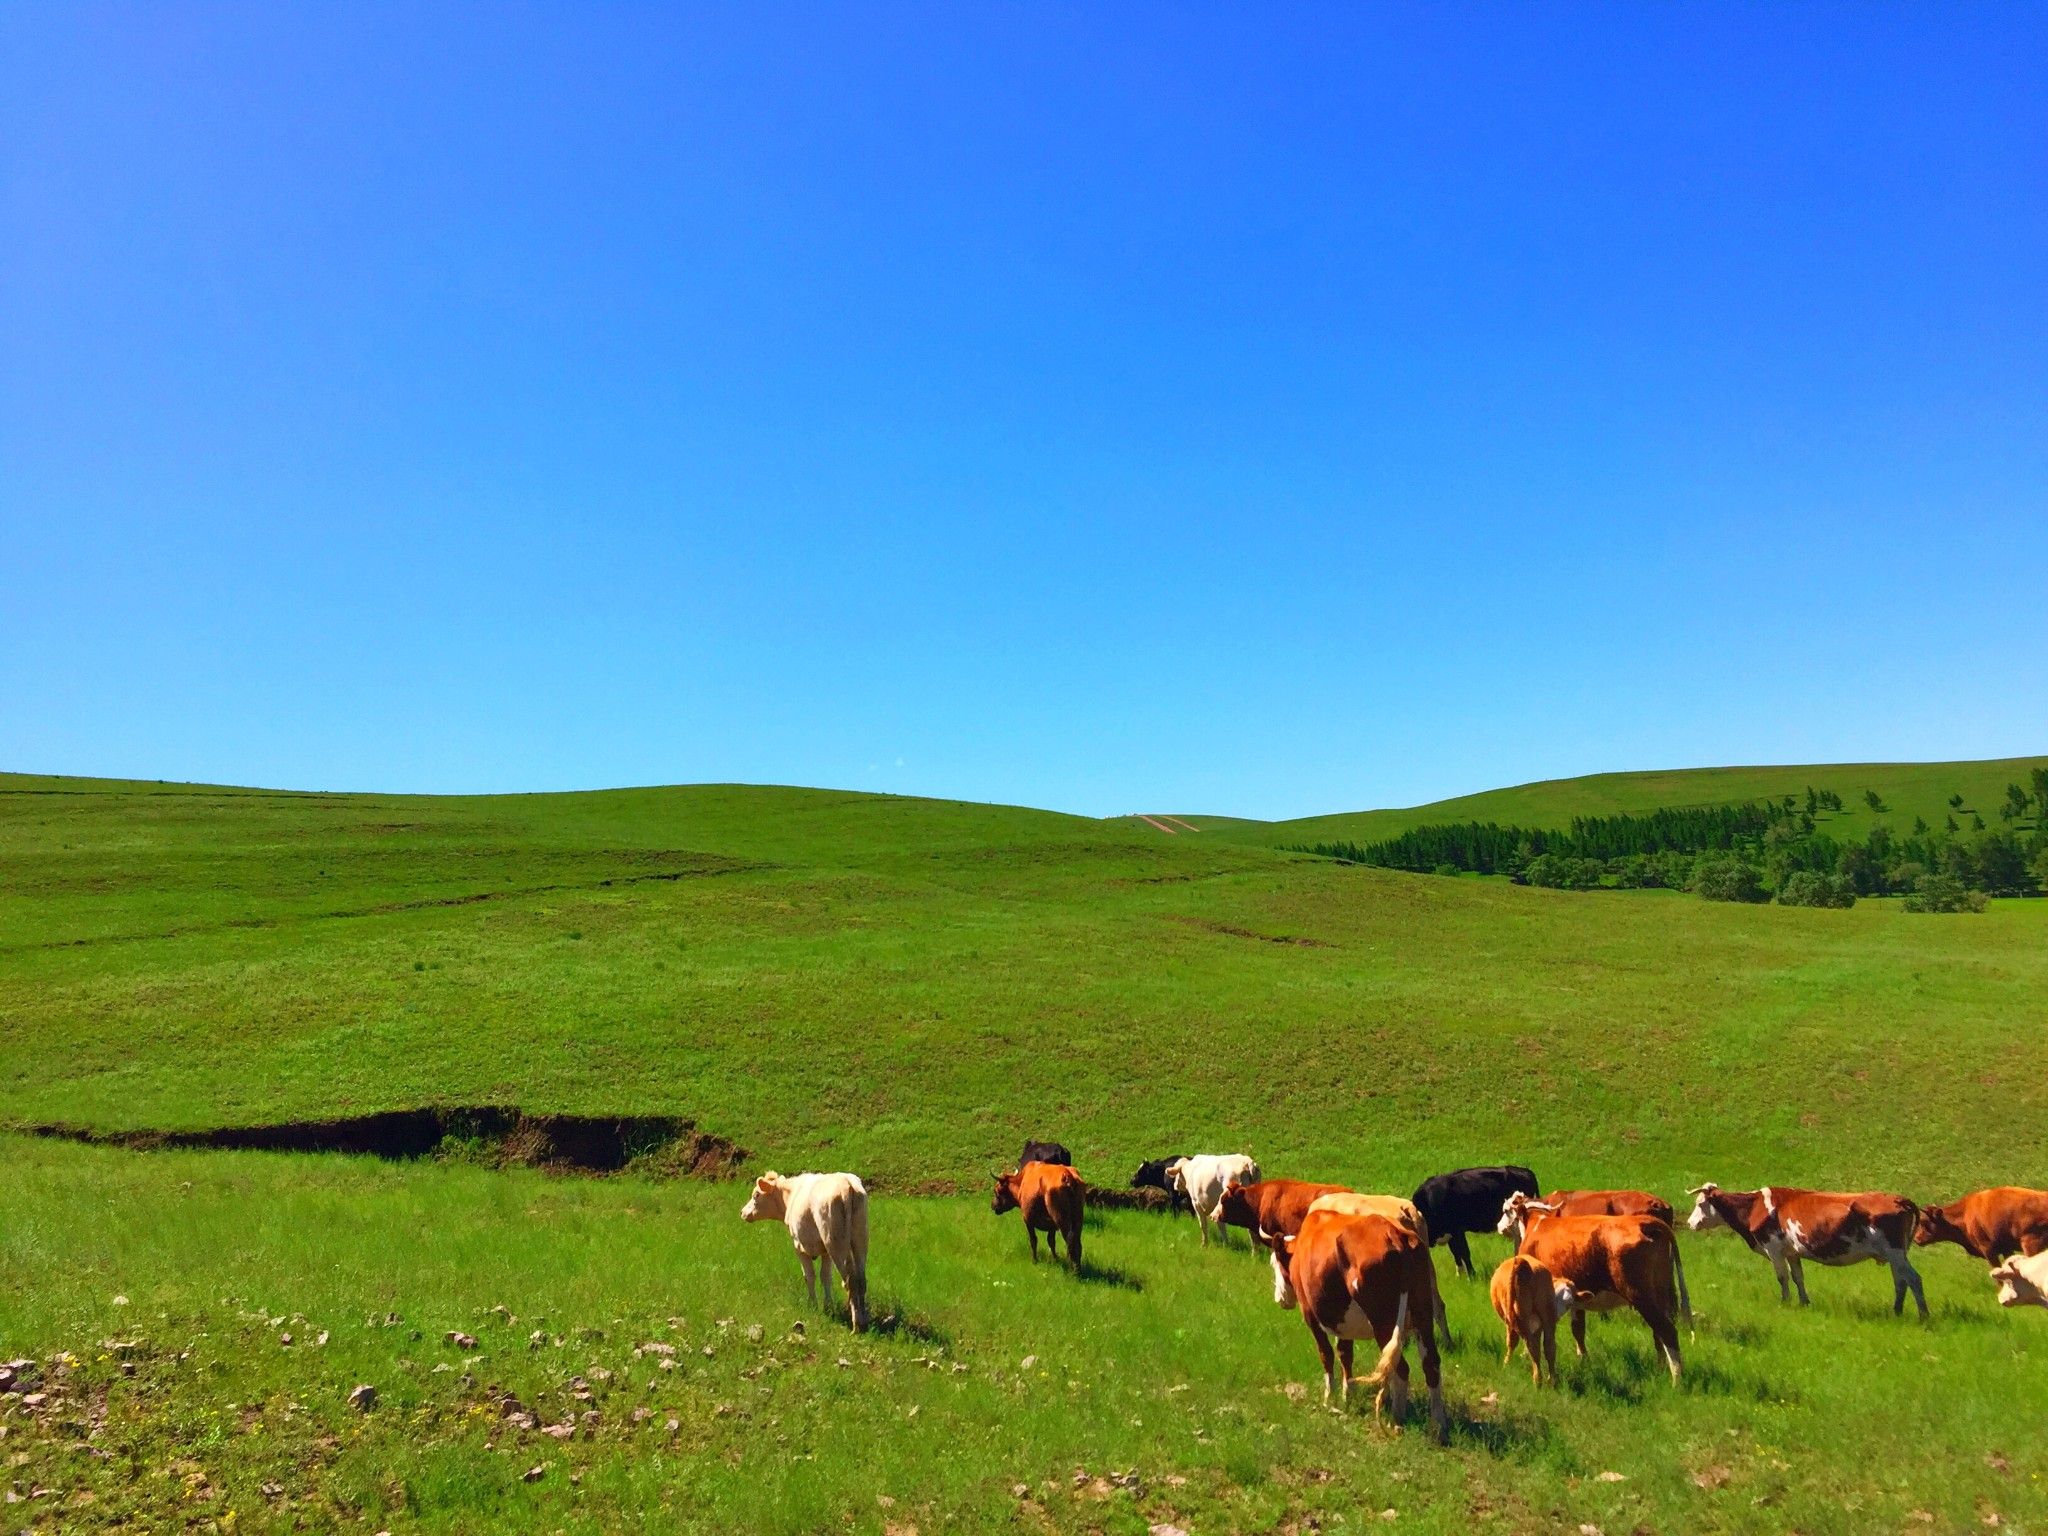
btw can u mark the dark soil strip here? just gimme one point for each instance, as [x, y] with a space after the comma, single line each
[496, 1135]
[1245, 933]
[383, 909]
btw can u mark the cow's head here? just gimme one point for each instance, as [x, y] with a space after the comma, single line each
[1706, 1213]
[1236, 1206]
[1005, 1196]
[1933, 1225]
[1567, 1298]
[769, 1201]
[1151, 1174]
[2015, 1289]
[1515, 1214]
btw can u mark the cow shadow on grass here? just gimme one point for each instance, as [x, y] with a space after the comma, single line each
[1629, 1372]
[891, 1319]
[1512, 1434]
[1109, 1275]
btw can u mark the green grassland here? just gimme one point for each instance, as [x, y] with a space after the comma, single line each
[906, 988]
[1908, 790]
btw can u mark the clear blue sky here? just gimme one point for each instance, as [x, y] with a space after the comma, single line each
[1176, 407]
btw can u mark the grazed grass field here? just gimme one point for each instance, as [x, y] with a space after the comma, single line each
[906, 988]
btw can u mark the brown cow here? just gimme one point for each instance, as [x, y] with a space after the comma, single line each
[1610, 1202]
[1358, 1277]
[1051, 1196]
[1992, 1224]
[1529, 1300]
[1519, 1213]
[1609, 1262]
[1400, 1211]
[1272, 1208]
[1787, 1226]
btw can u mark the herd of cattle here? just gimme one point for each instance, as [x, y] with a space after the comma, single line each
[1357, 1265]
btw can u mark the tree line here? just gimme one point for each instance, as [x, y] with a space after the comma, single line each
[1752, 851]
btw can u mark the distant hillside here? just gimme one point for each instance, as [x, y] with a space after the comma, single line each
[1907, 789]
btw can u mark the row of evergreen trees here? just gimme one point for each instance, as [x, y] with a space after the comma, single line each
[1746, 852]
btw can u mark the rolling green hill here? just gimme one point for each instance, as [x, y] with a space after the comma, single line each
[907, 988]
[1908, 790]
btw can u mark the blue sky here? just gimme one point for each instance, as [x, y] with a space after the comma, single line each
[1169, 407]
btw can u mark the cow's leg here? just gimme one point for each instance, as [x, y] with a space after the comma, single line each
[1032, 1233]
[1579, 1331]
[1394, 1398]
[825, 1279]
[810, 1277]
[1074, 1247]
[1549, 1353]
[1315, 1331]
[1783, 1269]
[1513, 1338]
[1433, 1378]
[1904, 1275]
[1665, 1332]
[1461, 1253]
[1443, 1321]
[1799, 1279]
[1344, 1356]
[1202, 1221]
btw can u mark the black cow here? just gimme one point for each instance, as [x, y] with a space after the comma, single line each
[1469, 1200]
[1053, 1152]
[1152, 1175]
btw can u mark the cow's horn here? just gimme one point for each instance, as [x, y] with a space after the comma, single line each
[1701, 1190]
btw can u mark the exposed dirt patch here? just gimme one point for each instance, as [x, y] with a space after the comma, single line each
[1234, 932]
[1110, 1198]
[502, 1136]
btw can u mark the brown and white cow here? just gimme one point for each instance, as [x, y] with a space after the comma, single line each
[1271, 1209]
[1401, 1212]
[1051, 1196]
[1518, 1213]
[1610, 1262]
[1991, 1224]
[1788, 1226]
[1205, 1179]
[2023, 1281]
[1357, 1277]
[1530, 1300]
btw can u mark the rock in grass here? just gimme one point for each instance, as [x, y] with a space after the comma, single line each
[460, 1339]
[534, 1473]
[363, 1398]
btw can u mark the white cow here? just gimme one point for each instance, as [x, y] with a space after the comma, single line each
[1204, 1179]
[2023, 1282]
[827, 1217]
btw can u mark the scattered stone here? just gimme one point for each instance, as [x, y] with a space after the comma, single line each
[642, 1414]
[1611, 1477]
[285, 1339]
[1997, 1462]
[120, 1301]
[272, 1490]
[1589, 1529]
[558, 1431]
[663, 1351]
[1390, 1514]
[459, 1339]
[1027, 1362]
[1023, 1491]
[535, 1339]
[535, 1473]
[673, 1426]
[321, 1342]
[753, 1333]
[1711, 1478]
[1163, 1528]
[363, 1398]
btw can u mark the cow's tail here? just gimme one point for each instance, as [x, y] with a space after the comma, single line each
[1678, 1274]
[1390, 1356]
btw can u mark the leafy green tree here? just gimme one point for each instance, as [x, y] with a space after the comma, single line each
[1976, 822]
[2015, 805]
[1955, 802]
[1728, 877]
[2039, 778]
[1953, 829]
[2000, 866]
[1939, 893]
[1920, 826]
[1875, 801]
[1810, 888]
